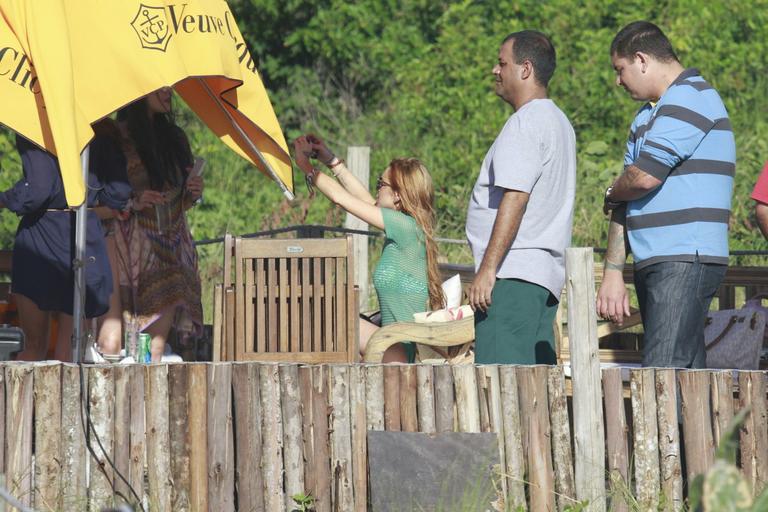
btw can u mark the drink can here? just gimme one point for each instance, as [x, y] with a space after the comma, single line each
[144, 351]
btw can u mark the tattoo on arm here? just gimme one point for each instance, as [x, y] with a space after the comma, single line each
[616, 254]
[632, 175]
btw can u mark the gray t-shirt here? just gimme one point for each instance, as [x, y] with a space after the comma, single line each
[535, 153]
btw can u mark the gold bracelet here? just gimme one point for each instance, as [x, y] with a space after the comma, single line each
[338, 163]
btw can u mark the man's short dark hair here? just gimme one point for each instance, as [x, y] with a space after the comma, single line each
[645, 37]
[538, 49]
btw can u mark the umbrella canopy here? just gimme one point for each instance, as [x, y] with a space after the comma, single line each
[99, 56]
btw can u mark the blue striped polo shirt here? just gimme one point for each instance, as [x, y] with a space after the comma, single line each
[685, 140]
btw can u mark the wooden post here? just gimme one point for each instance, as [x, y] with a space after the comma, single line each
[646, 437]
[101, 397]
[19, 410]
[158, 437]
[534, 407]
[221, 467]
[444, 399]
[341, 439]
[138, 432]
[754, 434]
[73, 464]
[272, 453]
[374, 397]
[2, 432]
[669, 439]
[292, 438]
[47, 401]
[178, 417]
[562, 456]
[314, 385]
[122, 448]
[722, 402]
[359, 164]
[467, 407]
[616, 432]
[426, 398]
[247, 402]
[491, 387]
[359, 437]
[697, 426]
[409, 418]
[391, 398]
[197, 404]
[589, 433]
[513, 444]
[484, 397]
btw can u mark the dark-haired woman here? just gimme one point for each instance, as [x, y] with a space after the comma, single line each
[43, 250]
[156, 257]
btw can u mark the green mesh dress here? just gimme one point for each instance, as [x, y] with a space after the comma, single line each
[400, 277]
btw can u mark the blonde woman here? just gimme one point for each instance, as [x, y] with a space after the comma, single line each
[406, 279]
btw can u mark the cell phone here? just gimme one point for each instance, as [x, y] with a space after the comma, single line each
[198, 167]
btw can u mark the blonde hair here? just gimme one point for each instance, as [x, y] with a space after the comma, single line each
[413, 184]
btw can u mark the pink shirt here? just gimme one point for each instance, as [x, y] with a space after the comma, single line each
[760, 192]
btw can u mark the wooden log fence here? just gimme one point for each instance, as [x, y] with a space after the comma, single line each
[251, 436]
[248, 436]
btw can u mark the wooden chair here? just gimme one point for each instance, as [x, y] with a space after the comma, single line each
[292, 300]
[224, 307]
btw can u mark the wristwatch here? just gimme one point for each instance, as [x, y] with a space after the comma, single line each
[610, 204]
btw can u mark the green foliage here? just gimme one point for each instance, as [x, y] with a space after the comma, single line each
[413, 78]
[723, 488]
[304, 502]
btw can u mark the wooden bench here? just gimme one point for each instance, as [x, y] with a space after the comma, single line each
[739, 283]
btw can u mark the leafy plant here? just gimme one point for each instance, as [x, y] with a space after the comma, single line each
[304, 502]
[723, 488]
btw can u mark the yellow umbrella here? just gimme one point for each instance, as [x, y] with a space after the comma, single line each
[65, 64]
[172, 41]
[99, 56]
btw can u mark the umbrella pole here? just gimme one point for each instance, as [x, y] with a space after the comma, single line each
[287, 193]
[78, 309]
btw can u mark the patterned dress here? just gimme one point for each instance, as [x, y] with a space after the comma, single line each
[158, 269]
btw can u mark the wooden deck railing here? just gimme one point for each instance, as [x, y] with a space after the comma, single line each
[248, 436]
[204, 436]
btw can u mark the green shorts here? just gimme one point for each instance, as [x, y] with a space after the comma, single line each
[518, 327]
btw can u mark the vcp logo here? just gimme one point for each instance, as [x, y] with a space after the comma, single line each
[151, 25]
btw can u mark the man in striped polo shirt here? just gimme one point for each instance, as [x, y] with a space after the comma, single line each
[673, 199]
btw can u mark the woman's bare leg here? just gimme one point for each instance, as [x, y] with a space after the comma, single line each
[366, 331]
[394, 354]
[63, 351]
[110, 337]
[34, 322]
[159, 331]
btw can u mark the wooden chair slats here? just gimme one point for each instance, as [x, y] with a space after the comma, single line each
[306, 319]
[295, 301]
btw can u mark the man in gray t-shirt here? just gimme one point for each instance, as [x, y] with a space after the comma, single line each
[521, 211]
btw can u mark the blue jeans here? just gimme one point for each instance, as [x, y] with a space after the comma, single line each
[674, 299]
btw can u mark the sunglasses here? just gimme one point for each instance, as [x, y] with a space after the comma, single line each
[380, 183]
